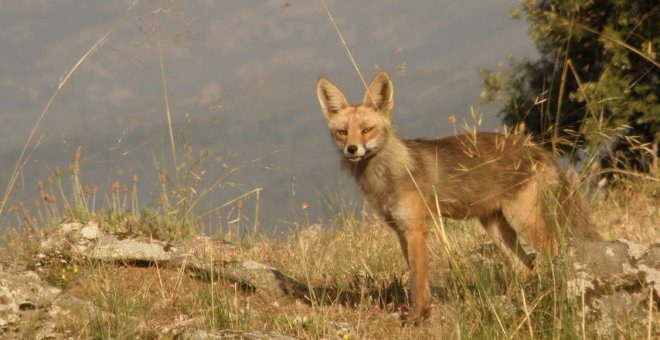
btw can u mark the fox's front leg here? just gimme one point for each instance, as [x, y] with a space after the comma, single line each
[411, 228]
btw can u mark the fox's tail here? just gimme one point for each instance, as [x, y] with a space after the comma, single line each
[573, 215]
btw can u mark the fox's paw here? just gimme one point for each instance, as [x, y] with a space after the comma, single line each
[408, 315]
[420, 315]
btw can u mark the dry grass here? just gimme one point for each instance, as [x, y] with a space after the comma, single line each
[358, 263]
[630, 209]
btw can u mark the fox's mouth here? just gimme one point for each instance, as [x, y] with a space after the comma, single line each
[356, 158]
[356, 153]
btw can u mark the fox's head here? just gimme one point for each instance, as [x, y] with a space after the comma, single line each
[359, 131]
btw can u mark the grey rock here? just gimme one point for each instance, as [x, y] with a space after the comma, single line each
[22, 292]
[617, 279]
[109, 248]
[193, 333]
[88, 241]
[90, 231]
[613, 265]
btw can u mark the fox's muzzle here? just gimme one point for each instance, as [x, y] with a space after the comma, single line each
[355, 153]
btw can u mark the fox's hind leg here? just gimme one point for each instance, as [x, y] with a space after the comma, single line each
[507, 241]
[526, 215]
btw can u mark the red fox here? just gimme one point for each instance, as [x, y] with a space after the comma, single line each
[503, 181]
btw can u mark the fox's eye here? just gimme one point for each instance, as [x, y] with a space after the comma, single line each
[367, 130]
[342, 132]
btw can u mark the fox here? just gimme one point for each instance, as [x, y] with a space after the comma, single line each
[505, 182]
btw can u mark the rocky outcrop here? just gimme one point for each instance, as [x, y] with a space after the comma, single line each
[617, 279]
[88, 241]
[25, 298]
[193, 333]
[21, 294]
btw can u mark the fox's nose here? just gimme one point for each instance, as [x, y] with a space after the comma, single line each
[352, 149]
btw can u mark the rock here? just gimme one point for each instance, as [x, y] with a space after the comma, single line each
[25, 298]
[88, 241]
[617, 279]
[20, 293]
[109, 248]
[73, 236]
[58, 240]
[649, 266]
[193, 333]
[65, 308]
[252, 276]
[611, 265]
[90, 231]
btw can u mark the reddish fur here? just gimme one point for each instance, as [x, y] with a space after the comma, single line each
[503, 181]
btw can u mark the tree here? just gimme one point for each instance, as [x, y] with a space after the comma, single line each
[596, 84]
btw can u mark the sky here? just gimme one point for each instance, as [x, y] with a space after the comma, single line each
[240, 82]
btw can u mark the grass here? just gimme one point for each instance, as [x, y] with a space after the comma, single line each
[354, 273]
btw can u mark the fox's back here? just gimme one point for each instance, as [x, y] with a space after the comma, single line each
[474, 174]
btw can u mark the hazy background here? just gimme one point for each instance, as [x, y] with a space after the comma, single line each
[243, 73]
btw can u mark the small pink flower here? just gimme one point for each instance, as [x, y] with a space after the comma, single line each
[195, 242]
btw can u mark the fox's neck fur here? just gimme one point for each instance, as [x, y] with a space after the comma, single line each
[376, 173]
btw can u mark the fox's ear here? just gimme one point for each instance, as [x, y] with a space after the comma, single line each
[380, 93]
[330, 98]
